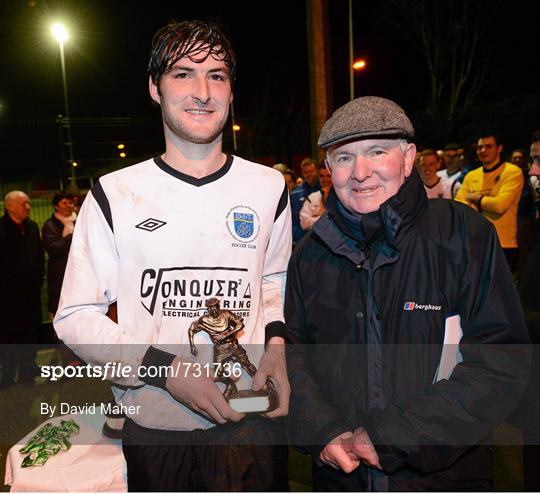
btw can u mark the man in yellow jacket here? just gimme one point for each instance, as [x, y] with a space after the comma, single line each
[494, 189]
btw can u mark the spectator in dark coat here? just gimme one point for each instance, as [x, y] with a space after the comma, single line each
[22, 265]
[57, 233]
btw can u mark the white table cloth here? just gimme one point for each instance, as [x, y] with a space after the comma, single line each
[94, 463]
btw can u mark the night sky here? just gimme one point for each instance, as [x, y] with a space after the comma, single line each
[106, 60]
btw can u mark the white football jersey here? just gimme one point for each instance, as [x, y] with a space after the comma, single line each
[160, 243]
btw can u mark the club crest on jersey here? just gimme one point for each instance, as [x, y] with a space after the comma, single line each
[244, 225]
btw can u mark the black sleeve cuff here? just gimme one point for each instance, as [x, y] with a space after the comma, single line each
[156, 358]
[276, 328]
[332, 430]
[390, 458]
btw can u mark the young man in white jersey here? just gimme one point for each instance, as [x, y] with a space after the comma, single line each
[163, 237]
[436, 187]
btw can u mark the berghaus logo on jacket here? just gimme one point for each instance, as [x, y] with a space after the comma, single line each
[417, 306]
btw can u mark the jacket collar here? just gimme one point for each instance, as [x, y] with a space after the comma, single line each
[10, 221]
[402, 211]
[396, 216]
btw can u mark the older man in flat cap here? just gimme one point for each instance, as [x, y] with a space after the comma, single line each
[407, 345]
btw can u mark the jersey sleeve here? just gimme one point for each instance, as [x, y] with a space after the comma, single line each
[90, 286]
[276, 259]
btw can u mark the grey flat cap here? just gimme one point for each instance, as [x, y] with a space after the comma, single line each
[369, 116]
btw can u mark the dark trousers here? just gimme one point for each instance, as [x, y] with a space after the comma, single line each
[251, 456]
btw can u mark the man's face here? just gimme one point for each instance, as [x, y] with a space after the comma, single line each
[454, 163]
[488, 151]
[367, 173]
[309, 173]
[518, 159]
[289, 181]
[450, 153]
[194, 99]
[19, 208]
[535, 158]
[429, 166]
[325, 179]
[64, 207]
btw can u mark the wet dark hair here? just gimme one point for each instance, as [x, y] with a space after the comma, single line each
[59, 196]
[189, 39]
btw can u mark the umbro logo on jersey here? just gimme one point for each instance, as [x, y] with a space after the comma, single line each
[150, 224]
[416, 306]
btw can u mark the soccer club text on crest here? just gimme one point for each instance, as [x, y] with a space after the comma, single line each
[244, 225]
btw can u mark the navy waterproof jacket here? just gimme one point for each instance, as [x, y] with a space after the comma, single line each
[366, 327]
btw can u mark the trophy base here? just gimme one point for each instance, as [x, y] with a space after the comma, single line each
[249, 401]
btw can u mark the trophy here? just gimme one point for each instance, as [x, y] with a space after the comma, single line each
[223, 327]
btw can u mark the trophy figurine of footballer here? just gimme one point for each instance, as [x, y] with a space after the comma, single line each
[223, 327]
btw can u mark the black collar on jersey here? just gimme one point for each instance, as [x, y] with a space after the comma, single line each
[434, 185]
[197, 182]
[498, 165]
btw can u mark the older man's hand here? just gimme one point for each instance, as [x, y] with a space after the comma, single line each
[359, 447]
[334, 454]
